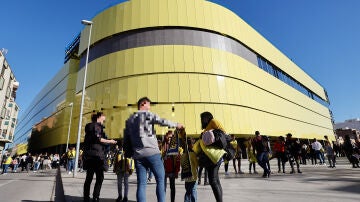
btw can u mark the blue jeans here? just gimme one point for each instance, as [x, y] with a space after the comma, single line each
[15, 167]
[155, 164]
[262, 159]
[191, 192]
[71, 164]
[5, 168]
[319, 155]
[36, 166]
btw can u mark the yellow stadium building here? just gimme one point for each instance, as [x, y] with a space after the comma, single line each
[188, 57]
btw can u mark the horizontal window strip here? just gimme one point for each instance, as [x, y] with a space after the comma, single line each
[193, 37]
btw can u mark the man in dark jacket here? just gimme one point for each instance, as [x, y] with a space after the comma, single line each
[94, 153]
[293, 151]
[261, 149]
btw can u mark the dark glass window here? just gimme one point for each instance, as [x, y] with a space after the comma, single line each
[188, 36]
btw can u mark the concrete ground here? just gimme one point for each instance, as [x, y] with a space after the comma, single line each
[316, 183]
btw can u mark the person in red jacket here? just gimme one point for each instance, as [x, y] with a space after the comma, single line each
[171, 164]
[279, 148]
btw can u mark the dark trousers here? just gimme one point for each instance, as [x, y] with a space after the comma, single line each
[172, 187]
[205, 175]
[93, 166]
[214, 181]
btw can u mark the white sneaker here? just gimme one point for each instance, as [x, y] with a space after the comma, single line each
[226, 173]
[69, 172]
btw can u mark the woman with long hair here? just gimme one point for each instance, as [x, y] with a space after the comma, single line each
[214, 154]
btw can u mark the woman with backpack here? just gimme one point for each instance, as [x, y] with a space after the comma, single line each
[210, 157]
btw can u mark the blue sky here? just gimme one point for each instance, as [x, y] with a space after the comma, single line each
[321, 37]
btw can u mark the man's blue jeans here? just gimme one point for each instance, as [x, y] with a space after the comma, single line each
[262, 159]
[155, 164]
[318, 154]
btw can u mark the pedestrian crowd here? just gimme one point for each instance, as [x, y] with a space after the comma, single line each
[176, 155]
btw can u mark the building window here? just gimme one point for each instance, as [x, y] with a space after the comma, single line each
[8, 92]
[3, 112]
[2, 81]
[6, 123]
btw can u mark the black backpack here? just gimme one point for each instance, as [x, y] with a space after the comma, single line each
[222, 141]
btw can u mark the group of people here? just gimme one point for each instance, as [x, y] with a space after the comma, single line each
[28, 162]
[143, 152]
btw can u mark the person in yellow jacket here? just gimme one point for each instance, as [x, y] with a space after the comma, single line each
[214, 154]
[123, 167]
[71, 160]
[238, 153]
[6, 164]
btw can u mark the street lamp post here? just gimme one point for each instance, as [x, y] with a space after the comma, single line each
[68, 135]
[86, 23]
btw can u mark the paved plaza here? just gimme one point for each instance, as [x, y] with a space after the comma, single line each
[316, 183]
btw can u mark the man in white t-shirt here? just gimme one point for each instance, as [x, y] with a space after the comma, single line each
[317, 149]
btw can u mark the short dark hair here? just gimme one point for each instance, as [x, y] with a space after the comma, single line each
[142, 100]
[257, 133]
[95, 115]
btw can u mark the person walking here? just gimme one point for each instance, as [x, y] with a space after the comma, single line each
[317, 150]
[123, 167]
[29, 162]
[190, 183]
[71, 160]
[6, 163]
[140, 143]
[330, 154]
[171, 164]
[279, 148]
[213, 154]
[251, 156]
[349, 148]
[261, 149]
[94, 153]
[293, 151]
[238, 153]
[15, 164]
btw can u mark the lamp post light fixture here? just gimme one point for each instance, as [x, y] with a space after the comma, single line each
[68, 135]
[86, 23]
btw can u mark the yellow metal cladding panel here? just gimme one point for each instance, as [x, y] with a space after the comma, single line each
[136, 14]
[194, 86]
[163, 88]
[209, 88]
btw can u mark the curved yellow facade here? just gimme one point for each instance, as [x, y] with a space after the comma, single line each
[188, 57]
[196, 79]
